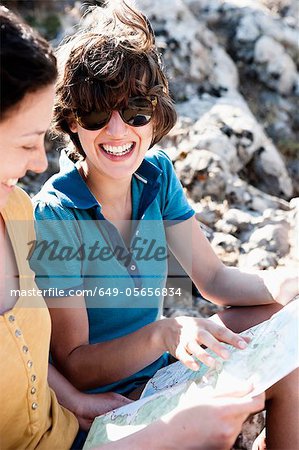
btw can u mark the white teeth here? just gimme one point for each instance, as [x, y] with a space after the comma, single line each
[11, 182]
[118, 150]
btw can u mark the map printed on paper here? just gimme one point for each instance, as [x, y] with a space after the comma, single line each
[271, 354]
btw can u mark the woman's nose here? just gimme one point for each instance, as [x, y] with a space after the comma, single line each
[116, 127]
[38, 162]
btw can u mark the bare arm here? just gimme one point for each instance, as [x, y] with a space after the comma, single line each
[65, 392]
[92, 365]
[84, 406]
[221, 284]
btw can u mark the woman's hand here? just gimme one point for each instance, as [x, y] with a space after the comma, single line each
[185, 336]
[89, 406]
[85, 406]
[211, 421]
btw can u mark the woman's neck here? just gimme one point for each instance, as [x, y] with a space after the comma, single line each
[113, 195]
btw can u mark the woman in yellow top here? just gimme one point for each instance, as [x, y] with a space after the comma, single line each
[31, 415]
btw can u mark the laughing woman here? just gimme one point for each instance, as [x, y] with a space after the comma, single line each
[113, 196]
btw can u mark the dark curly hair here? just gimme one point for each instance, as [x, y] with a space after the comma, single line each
[110, 59]
[27, 61]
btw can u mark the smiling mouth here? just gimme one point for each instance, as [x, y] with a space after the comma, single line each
[10, 182]
[117, 150]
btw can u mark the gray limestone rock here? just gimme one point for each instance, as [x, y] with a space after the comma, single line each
[272, 237]
[226, 246]
[274, 66]
[258, 258]
[202, 173]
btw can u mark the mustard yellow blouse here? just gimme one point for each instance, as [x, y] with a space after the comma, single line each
[30, 415]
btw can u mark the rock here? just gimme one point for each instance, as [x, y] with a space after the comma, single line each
[244, 196]
[294, 230]
[207, 211]
[262, 39]
[194, 52]
[237, 193]
[229, 129]
[248, 29]
[272, 238]
[274, 66]
[226, 247]
[182, 301]
[251, 428]
[258, 258]
[177, 312]
[266, 171]
[206, 308]
[242, 220]
[293, 169]
[202, 173]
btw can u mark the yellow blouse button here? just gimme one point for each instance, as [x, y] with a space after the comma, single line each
[33, 390]
[11, 318]
[25, 349]
[18, 333]
[29, 364]
[33, 378]
[34, 405]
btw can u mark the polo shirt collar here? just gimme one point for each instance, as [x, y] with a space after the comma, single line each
[148, 172]
[73, 192]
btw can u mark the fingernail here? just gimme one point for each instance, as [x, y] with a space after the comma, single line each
[242, 344]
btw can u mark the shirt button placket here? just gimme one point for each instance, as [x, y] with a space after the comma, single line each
[29, 364]
[18, 333]
[32, 388]
[26, 356]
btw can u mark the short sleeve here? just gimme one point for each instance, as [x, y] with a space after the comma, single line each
[174, 204]
[56, 258]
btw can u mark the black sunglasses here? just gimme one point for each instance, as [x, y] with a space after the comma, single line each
[138, 113]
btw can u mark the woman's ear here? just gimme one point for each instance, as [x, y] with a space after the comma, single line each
[73, 126]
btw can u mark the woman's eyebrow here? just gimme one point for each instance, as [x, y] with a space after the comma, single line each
[32, 133]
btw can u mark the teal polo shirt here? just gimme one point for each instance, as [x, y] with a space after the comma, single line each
[77, 250]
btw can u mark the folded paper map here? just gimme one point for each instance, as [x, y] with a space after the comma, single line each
[271, 354]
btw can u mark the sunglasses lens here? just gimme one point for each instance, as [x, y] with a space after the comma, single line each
[94, 120]
[139, 112]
